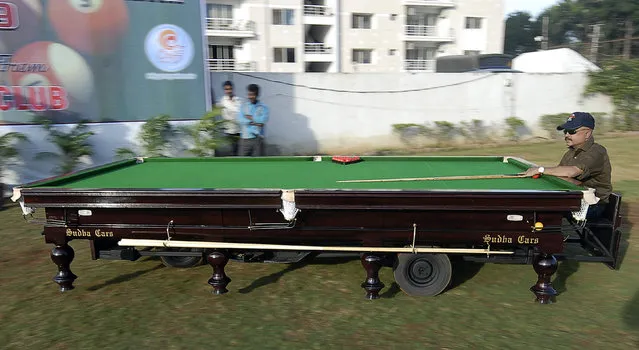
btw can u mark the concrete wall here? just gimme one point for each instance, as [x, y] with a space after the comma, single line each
[340, 112]
[334, 113]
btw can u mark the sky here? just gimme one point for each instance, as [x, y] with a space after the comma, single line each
[533, 6]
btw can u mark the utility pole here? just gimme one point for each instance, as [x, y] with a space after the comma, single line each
[544, 33]
[627, 44]
[594, 44]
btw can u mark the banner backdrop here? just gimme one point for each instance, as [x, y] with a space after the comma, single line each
[101, 60]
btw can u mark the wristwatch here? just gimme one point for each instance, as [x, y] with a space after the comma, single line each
[541, 169]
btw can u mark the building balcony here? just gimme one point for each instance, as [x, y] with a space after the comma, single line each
[319, 15]
[427, 33]
[318, 52]
[230, 28]
[419, 65]
[317, 10]
[319, 48]
[431, 3]
[217, 65]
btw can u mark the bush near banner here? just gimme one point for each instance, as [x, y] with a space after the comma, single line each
[157, 137]
[8, 154]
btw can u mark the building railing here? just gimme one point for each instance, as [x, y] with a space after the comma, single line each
[419, 65]
[317, 10]
[230, 24]
[429, 2]
[317, 48]
[217, 64]
[425, 31]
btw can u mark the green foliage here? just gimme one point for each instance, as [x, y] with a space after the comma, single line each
[570, 21]
[409, 133]
[72, 145]
[474, 131]
[8, 150]
[206, 134]
[618, 79]
[514, 126]
[445, 132]
[520, 34]
[549, 123]
[154, 139]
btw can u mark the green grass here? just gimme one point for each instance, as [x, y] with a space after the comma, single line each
[122, 305]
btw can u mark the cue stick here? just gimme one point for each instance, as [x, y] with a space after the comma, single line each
[436, 178]
[229, 245]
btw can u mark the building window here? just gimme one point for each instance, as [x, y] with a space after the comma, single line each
[473, 23]
[362, 56]
[284, 54]
[283, 17]
[221, 52]
[471, 52]
[362, 21]
[392, 52]
[219, 11]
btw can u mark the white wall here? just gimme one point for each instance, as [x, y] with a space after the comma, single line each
[308, 118]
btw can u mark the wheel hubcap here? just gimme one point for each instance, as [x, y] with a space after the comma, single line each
[421, 272]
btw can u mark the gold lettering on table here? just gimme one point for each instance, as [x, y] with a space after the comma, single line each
[527, 240]
[78, 233]
[99, 233]
[497, 239]
[84, 233]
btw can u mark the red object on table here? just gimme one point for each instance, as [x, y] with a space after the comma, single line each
[346, 159]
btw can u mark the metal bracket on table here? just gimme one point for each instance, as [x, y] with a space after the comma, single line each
[414, 237]
[169, 226]
[270, 225]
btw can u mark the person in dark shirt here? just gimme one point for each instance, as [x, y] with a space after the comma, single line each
[585, 161]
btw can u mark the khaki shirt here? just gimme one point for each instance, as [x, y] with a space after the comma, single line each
[592, 159]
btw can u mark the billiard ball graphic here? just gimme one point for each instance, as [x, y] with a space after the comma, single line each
[57, 65]
[20, 23]
[93, 27]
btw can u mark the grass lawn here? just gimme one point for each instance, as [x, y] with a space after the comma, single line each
[142, 304]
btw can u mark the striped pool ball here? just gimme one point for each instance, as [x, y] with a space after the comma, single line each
[93, 27]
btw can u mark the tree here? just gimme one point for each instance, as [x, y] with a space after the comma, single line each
[618, 79]
[520, 34]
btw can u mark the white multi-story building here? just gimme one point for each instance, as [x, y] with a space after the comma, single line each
[348, 35]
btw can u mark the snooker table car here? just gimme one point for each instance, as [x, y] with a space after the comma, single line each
[282, 209]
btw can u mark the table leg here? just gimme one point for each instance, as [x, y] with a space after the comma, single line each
[545, 265]
[62, 256]
[218, 259]
[372, 263]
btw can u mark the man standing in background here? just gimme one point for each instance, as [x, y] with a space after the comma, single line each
[230, 107]
[252, 118]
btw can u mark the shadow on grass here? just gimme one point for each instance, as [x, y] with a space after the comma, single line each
[630, 313]
[566, 269]
[626, 228]
[463, 271]
[274, 277]
[125, 278]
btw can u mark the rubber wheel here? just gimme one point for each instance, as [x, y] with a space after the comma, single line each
[422, 275]
[182, 261]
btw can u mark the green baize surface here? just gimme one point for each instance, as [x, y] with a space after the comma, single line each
[304, 173]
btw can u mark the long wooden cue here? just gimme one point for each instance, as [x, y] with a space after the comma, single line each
[437, 178]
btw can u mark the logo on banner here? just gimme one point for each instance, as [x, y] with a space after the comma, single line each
[169, 48]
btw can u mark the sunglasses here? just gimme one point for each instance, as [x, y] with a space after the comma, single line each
[572, 132]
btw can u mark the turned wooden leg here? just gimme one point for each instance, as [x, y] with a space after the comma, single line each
[545, 265]
[372, 263]
[62, 256]
[219, 280]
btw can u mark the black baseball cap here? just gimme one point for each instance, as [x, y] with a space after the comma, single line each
[577, 120]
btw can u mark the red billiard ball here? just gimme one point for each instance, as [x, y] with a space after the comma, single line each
[93, 27]
[20, 23]
[59, 66]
